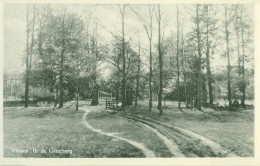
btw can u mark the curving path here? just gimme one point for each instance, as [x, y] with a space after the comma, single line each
[171, 145]
[168, 133]
[172, 131]
[146, 151]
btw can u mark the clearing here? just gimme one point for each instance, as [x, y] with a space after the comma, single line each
[94, 132]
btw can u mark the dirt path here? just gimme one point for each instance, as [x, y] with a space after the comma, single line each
[179, 141]
[171, 130]
[146, 151]
[172, 146]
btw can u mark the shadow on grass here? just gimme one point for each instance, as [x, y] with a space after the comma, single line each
[19, 103]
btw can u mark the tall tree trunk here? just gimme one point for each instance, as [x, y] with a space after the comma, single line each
[123, 55]
[150, 77]
[32, 39]
[178, 70]
[191, 99]
[62, 61]
[228, 58]
[238, 42]
[238, 59]
[184, 71]
[138, 73]
[238, 47]
[199, 63]
[95, 96]
[150, 37]
[148, 27]
[77, 97]
[243, 61]
[204, 90]
[27, 72]
[56, 95]
[160, 62]
[52, 88]
[61, 80]
[29, 56]
[208, 61]
[238, 53]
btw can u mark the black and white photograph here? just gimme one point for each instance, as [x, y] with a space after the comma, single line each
[128, 80]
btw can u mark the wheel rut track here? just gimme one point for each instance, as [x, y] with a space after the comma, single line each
[170, 144]
[176, 152]
[179, 134]
[147, 152]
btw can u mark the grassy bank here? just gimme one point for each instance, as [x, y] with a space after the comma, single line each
[107, 122]
[57, 129]
[39, 128]
[232, 130]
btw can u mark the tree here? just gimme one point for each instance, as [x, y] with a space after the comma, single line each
[184, 66]
[177, 57]
[68, 29]
[138, 71]
[122, 12]
[64, 55]
[63, 49]
[198, 32]
[242, 27]
[158, 15]
[237, 27]
[60, 45]
[26, 95]
[29, 56]
[46, 65]
[148, 27]
[115, 58]
[94, 64]
[228, 57]
[243, 60]
[208, 45]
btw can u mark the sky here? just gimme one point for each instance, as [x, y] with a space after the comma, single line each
[107, 18]
[14, 37]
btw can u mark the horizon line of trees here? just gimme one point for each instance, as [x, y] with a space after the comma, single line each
[68, 52]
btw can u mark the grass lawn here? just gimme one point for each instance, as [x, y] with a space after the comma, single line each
[59, 129]
[103, 120]
[233, 130]
[44, 128]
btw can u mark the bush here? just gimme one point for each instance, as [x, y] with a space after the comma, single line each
[39, 92]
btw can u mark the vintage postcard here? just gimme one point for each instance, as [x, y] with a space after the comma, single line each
[131, 82]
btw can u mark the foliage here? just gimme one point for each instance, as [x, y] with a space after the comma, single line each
[89, 63]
